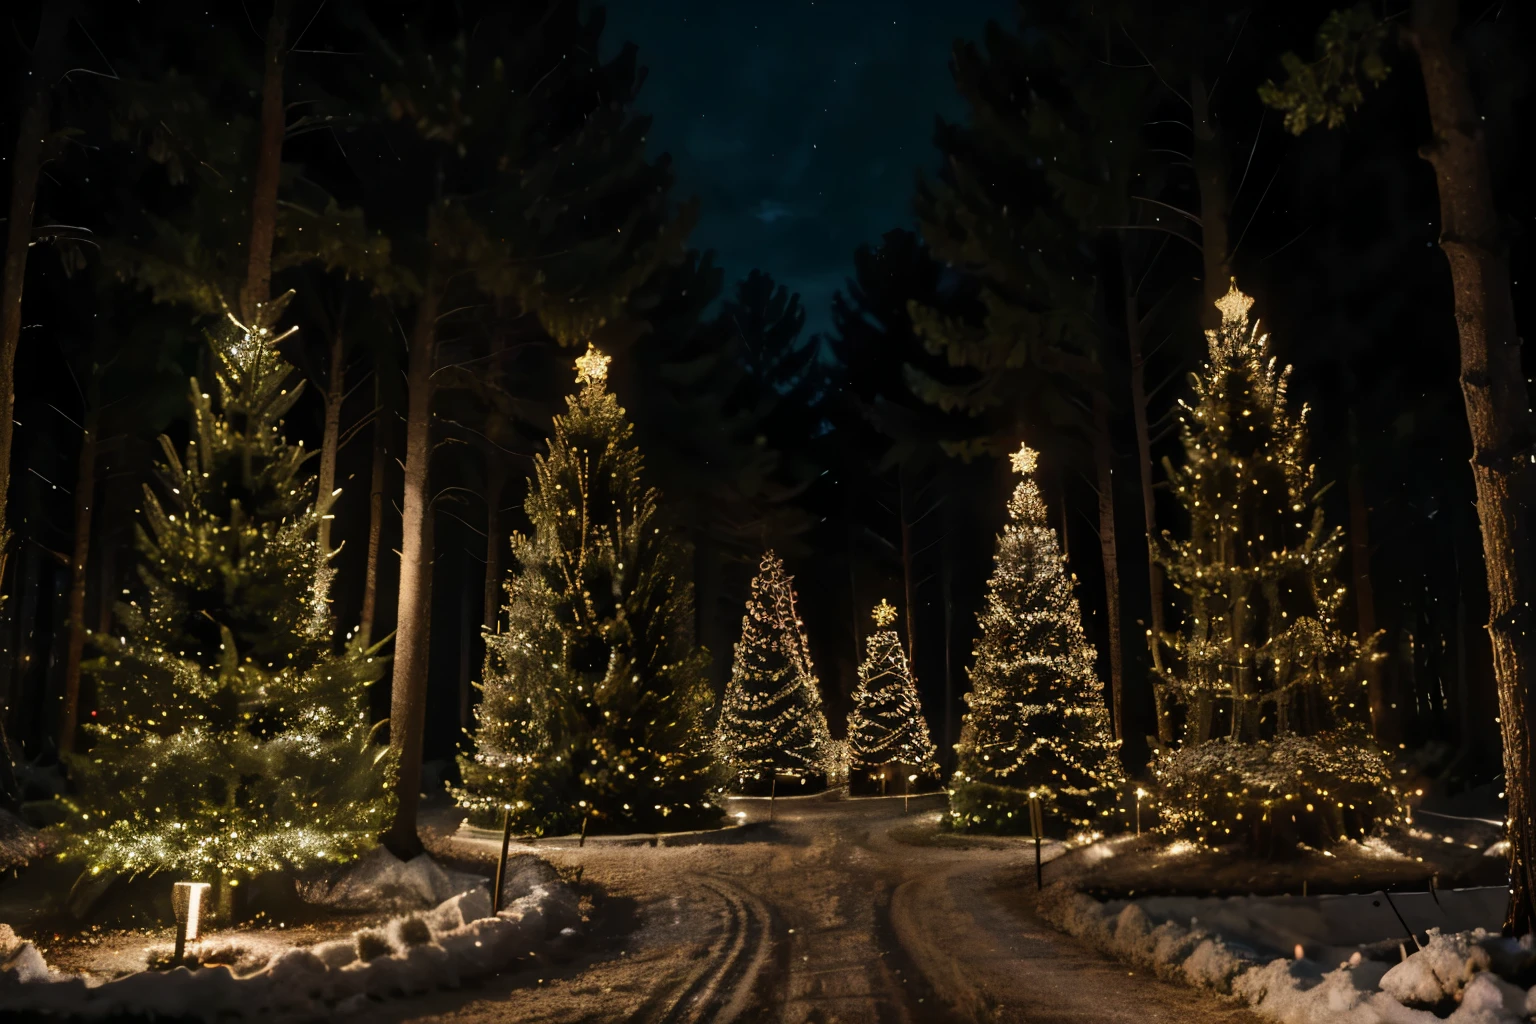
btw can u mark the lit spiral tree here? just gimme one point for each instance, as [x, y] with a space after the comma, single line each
[1274, 747]
[595, 700]
[1036, 721]
[232, 733]
[771, 723]
[888, 736]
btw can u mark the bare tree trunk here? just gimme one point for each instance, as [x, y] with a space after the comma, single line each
[26, 165]
[269, 161]
[330, 438]
[908, 571]
[1103, 458]
[495, 484]
[375, 516]
[466, 650]
[1133, 335]
[85, 498]
[947, 588]
[1210, 162]
[408, 696]
[1498, 413]
[1383, 722]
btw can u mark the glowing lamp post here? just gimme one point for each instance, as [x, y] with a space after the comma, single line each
[1139, 794]
[907, 796]
[1036, 825]
[187, 904]
[501, 864]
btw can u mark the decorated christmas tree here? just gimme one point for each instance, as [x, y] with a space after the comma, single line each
[771, 723]
[231, 737]
[1270, 691]
[596, 701]
[888, 737]
[1037, 721]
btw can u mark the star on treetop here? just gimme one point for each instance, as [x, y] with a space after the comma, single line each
[1234, 305]
[592, 368]
[1024, 460]
[885, 613]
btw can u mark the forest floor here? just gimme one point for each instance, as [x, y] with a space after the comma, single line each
[839, 910]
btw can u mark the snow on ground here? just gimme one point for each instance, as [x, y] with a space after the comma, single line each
[1306, 960]
[458, 938]
[19, 842]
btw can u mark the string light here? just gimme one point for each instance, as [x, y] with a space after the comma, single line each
[1036, 720]
[595, 692]
[771, 721]
[1274, 745]
[231, 738]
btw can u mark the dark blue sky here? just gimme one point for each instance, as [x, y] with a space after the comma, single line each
[799, 125]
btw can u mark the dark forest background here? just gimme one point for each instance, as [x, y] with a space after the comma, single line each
[833, 449]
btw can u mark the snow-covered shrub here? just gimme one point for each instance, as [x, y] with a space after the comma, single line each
[1272, 794]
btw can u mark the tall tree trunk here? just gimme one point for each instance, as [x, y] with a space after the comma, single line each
[269, 162]
[408, 693]
[1383, 722]
[495, 484]
[330, 438]
[85, 498]
[1138, 360]
[908, 571]
[1210, 160]
[1103, 458]
[1498, 413]
[467, 633]
[375, 515]
[26, 165]
[946, 584]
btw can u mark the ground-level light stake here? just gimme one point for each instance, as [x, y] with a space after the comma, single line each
[187, 904]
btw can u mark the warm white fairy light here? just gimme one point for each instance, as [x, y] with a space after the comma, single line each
[1270, 688]
[231, 738]
[595, 694]
[1036, 718]
[771, 720]
[886, 726]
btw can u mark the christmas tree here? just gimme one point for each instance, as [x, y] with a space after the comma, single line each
[886, 729]
[1270, 690]
[772, 722]
[1037, 721]
[231, 738]
[595, 694]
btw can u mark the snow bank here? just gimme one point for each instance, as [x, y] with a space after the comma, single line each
[1461, 974]
[381, 881]
[456, 940]
[19, 842]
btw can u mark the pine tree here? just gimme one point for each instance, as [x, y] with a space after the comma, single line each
[1037, 721]
[232, 739]
[886, 727]
[1274, 744]
[771, 723]
[595, 695]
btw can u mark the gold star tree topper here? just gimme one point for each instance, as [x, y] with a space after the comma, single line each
[1234, 305]
[885, 613]
[592, 368]
[1024, 460]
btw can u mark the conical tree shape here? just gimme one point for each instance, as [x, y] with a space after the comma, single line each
[231, 738]
[886, 726]
[1037, 721]
[1270, 690]
[596, 698]
[772, 721]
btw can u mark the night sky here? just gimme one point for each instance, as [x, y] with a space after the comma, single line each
[800, 125]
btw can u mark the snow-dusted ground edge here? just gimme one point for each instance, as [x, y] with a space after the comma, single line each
[1464, 972]
[725, 834]
[457, 940]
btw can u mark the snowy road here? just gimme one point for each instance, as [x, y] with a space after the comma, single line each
[840, 912]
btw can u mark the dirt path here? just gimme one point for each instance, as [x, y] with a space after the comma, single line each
[828, 916]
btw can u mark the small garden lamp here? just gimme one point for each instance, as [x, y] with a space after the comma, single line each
[187, 904]
[1139, 794]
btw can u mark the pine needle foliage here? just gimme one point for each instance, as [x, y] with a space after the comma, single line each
[596, 700]
[232, 737]
[1036, 720]
[771, 722]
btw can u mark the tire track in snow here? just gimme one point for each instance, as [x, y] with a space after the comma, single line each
[721, 988]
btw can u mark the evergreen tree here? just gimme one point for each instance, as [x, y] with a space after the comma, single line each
[595, 696]
[886, 726]
[1037, 720]
[232, 738]
[771, 722]
[1274, 744]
